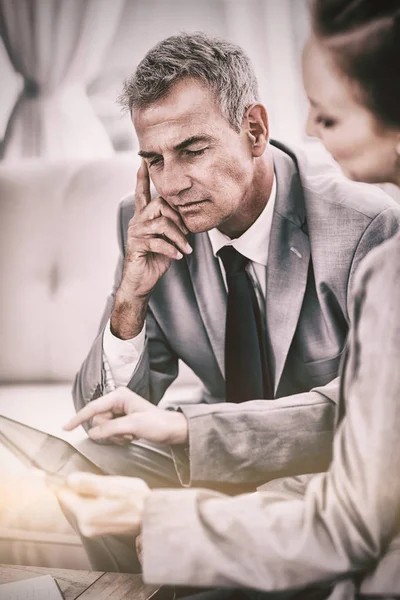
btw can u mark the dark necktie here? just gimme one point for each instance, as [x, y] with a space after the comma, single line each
[246, 372]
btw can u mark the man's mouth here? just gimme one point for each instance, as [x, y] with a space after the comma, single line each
[189, 205]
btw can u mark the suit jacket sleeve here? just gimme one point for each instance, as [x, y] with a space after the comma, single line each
[90, 382]
[259, 440]
[346, 517]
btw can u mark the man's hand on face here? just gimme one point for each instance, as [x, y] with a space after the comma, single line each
[103, 504]
[156, 236]
[132, 416]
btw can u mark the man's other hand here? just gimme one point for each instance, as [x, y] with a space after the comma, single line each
[103, 504]
[132, 416]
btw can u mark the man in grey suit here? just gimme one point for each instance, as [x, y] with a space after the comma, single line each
[204, 139]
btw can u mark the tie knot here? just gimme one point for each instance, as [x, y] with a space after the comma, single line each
[233, 261]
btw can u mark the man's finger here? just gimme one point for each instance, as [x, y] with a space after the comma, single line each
[101, 405]
[142, 192]
[164, 226]
[159, 208]
[161, 246]
[102, 418]
[121, 440]
[119, 426]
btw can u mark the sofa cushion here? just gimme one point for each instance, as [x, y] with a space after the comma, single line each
[58, 249]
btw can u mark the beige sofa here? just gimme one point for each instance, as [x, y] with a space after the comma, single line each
[58, 251]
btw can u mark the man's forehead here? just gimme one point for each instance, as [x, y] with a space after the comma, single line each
[189, 101]
[176, 116]
[171, 131]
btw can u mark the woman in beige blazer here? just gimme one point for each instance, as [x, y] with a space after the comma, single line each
[340, 526]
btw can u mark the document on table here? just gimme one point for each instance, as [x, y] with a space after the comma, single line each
[44, 587]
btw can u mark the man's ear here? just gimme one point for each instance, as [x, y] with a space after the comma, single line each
[255, 124]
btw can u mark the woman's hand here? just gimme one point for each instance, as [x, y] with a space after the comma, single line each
[104, 504]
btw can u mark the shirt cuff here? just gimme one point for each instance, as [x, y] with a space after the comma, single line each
[122, 356]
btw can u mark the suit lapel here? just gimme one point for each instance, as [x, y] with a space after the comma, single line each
[288, 261]
[210, 293]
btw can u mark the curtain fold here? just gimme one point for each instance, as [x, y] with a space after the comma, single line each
[273, 32]
[58, 46]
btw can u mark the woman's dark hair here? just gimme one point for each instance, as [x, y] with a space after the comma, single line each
[363, 38]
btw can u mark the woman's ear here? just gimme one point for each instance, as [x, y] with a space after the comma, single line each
[256, 127]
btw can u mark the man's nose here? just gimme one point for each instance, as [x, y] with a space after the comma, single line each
[174, 180]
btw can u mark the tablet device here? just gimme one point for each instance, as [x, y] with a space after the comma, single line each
[56, 457]
[42, 451]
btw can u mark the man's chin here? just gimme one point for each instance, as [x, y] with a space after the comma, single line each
[197, 227]
[196, 224]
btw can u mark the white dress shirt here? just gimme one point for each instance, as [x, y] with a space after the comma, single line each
[122, 356]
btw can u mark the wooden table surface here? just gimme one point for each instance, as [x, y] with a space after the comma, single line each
[86, 585]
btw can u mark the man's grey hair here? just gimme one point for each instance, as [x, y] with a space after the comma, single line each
[221, 65]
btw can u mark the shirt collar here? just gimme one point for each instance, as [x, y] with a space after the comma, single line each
[254, 242]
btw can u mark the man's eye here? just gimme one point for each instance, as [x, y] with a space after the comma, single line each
[325, 122]
[195, 152]
[155, 161]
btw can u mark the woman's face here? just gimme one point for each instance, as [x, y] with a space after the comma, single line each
[365, 149]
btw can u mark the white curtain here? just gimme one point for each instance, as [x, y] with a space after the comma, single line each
[273, 33]
[58, 46]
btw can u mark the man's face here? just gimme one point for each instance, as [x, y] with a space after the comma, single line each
[198, 163]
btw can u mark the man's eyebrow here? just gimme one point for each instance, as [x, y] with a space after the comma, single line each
[181, 146]
[145, 154]
[192, 140]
